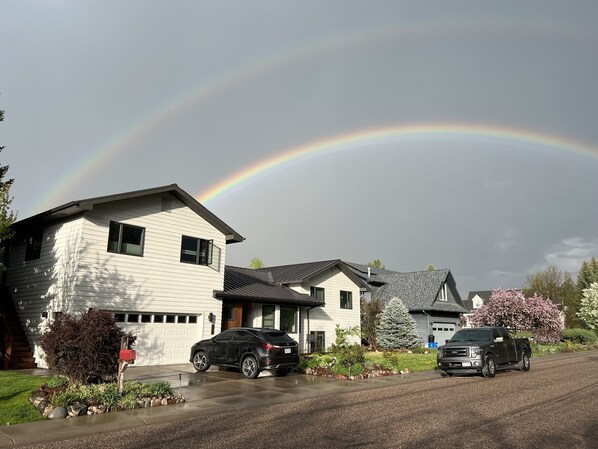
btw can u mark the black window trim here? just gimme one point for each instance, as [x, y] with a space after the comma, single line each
[349, 299]
[198, 259]
[120, 238]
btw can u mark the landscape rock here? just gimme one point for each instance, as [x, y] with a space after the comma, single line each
[58, 413]
[77, 409]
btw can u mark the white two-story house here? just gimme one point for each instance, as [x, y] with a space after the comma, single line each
[151, 257]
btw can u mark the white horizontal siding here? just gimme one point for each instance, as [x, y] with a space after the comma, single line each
[76, 272]
[326, 318]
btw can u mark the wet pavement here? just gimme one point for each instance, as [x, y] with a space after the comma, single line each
[210, 392]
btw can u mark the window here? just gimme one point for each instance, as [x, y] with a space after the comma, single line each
[268, 317]
[288, 319]
[316, 341]
[34, 245]
[346, 300]
[125, 239]
[317, 292]
[442, 296]
[197, 251]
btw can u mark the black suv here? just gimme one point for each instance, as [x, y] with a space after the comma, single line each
[251, 349]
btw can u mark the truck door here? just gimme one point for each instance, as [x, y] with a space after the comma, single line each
[501, 355]
[510, 347]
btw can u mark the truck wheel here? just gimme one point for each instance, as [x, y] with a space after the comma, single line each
[444, 373]
[489, 369]
[524, 363]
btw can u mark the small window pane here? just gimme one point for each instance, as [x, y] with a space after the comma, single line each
[317, 293]
[158, 318]
[34, 245]
[133, 318]
[131, 241]
[288, 319]
[268, 317]
[170, 318]
[119, 317]
[188, 249]
[193, 319]
[181, 319]
[346, 300]
[146, 318]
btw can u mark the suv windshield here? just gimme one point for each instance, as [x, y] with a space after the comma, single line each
[472, 335]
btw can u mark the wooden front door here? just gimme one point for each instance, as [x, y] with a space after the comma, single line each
[232, 315]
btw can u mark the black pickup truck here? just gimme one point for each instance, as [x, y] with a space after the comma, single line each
[485, 350]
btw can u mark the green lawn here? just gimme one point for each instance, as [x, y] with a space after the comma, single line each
[15, 390]
[411, 362]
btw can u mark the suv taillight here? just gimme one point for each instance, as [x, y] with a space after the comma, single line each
[270, 347]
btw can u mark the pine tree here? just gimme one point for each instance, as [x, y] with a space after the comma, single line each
[7, 217]
[397, 329]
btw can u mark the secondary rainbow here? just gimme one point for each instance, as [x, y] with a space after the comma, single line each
[372, 136]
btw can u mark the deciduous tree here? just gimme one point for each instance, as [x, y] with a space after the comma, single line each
[256, 263]
[376, 263]
[546, 283]
[588, 307]
[510, 308]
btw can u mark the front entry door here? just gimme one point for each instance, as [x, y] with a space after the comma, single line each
[232, 315]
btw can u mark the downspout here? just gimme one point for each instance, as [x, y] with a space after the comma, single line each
[428, 321]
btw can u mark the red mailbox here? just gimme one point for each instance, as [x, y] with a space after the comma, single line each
[127, 355]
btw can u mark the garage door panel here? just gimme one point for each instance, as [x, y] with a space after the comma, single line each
[164, 343]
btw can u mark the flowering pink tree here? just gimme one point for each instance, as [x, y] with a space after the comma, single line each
[511, 309]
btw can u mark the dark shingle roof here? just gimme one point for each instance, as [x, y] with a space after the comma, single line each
[418, 289]
[257, 286]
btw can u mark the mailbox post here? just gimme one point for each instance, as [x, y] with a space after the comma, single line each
[125, 358]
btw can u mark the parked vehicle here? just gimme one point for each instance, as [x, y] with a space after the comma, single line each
[250, 349]
[485, 350]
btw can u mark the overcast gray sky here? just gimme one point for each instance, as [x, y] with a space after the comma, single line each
[106, 96]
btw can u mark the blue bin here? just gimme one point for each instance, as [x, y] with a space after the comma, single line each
[433, 345]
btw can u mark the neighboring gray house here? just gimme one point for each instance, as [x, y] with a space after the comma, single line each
[431, 297]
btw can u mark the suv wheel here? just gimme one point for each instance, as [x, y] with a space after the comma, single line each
[249, 367]
[200, 361]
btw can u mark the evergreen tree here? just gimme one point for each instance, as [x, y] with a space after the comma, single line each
[568, 295]
[397, 329]
[7, 217]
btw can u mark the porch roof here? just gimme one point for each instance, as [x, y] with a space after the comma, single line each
[243, 284]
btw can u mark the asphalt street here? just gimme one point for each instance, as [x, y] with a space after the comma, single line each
[555, 405]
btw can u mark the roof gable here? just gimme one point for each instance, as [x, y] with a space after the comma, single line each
[303, 272]
[76, 207]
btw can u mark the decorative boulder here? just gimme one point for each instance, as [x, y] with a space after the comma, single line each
[58, 413]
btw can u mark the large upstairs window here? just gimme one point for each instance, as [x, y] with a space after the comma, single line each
[197, 251]
[125, 239]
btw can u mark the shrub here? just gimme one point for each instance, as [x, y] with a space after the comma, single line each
[342, 334]
[160, 388]
[57, 381]
[582, 336]
[588, 306]
[85, 348]
[397, 329]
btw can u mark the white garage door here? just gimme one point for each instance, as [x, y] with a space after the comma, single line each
[443, 332]
[162, 339]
